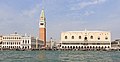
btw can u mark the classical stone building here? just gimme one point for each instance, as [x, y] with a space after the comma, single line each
[85, 40]
[115, 44]
[15, 41]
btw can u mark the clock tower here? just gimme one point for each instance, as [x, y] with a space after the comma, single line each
[42, 28]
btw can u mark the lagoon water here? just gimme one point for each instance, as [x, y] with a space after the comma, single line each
[59, 56]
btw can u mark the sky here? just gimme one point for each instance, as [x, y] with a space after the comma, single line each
[23, 16]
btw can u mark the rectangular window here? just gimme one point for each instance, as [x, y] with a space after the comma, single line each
[28, 41]
[41, 24]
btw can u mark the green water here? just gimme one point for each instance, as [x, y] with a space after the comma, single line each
[59, 56]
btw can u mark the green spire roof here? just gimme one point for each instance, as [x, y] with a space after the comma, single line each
[42, 13]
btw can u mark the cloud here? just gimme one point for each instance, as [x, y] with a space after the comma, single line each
[110, 23]
[88, 13]
[23, 22]
[31, 12]
[82, 5]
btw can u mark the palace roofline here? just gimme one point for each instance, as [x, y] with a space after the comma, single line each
[87, 31]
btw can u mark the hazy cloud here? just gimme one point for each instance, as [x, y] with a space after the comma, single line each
[22, 22]
[31, 12]
[60, 18]
[83, 4]
[88, 13]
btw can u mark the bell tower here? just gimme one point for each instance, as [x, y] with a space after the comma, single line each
[42, 28]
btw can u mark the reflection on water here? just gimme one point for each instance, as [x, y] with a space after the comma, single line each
[59, 56]
[85, 56]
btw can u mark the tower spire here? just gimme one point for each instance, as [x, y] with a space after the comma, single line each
[42, 14]
[42, 26]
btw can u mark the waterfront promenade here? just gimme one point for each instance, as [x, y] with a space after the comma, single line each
[56, 49]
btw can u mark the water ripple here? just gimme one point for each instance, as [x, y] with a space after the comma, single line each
[59, 56]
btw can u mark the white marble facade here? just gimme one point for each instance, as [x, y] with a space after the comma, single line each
[15, 41]
[85, 39]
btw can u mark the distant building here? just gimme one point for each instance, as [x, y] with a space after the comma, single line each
[33, 43]
[85, 40]
[15, 41]
[58, 44]
[115, 44]
[0, 42]
[51, 44]
[39, 43]
[36, 43]
[26, 42]
[48, 45]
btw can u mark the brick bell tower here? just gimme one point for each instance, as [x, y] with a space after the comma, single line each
[42, 28]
